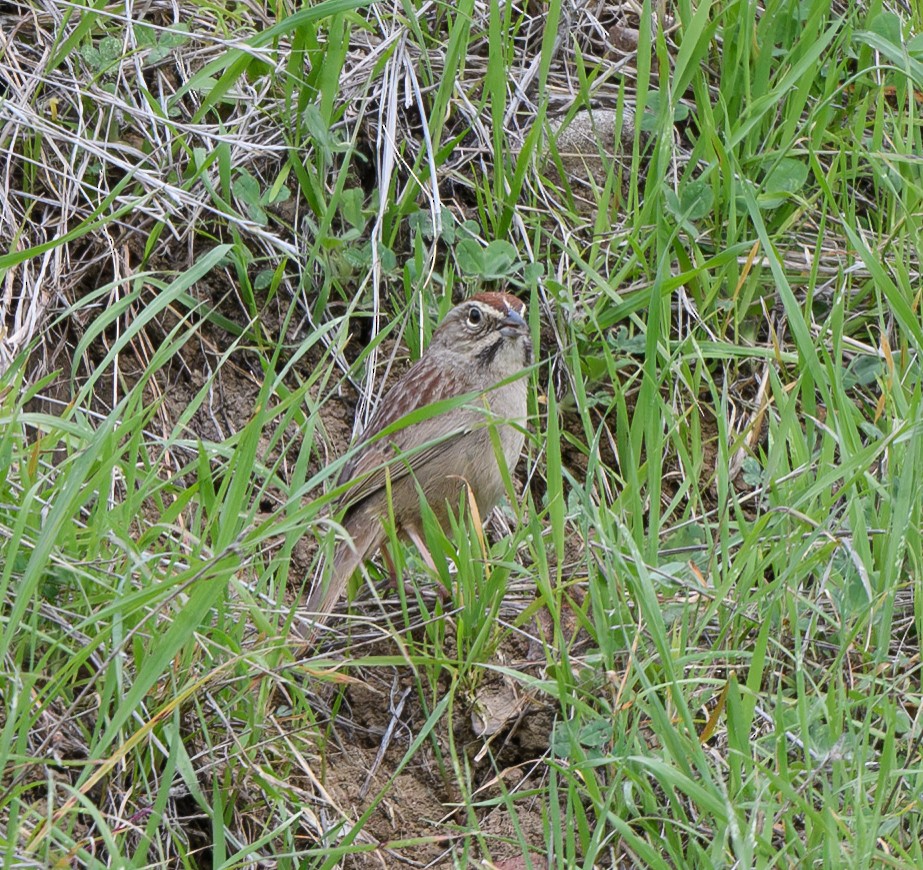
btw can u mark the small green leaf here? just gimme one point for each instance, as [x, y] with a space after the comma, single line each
[752, 472]
[888, 26]
[596, 734]
[499, 257]
[388, 259]
[247, 190]
[283, 194]
[694, 202]
[105, 54]
[449, 226]
[561, 743]
[422, 221]
[623, 343]
[247, 187]
[160, 43]
[649, 120]
[862, 371]
[786, 178]
[314, 123]
[498, 260]
[325, 140]
[263, 279]
[91, 56]
[532, 272]
[470, 257]
[351, 201]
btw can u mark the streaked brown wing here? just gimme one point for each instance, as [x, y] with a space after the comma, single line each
[409, 448]
[376, 464]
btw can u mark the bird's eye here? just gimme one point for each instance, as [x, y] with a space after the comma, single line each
[474, 316]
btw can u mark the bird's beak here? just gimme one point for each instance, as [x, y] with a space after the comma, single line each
[512, 325]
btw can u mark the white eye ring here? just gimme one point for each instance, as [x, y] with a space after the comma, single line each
[474, 317]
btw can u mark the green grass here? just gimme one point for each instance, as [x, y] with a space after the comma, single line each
[694, 639]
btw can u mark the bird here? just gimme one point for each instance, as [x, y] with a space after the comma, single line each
[479, 355]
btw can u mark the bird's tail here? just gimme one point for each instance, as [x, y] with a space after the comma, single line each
[348, 555]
